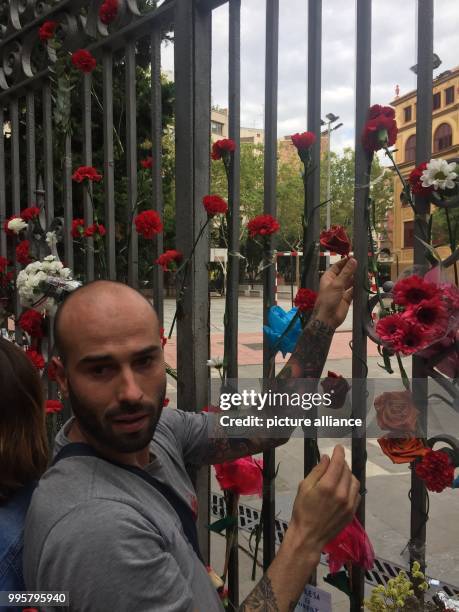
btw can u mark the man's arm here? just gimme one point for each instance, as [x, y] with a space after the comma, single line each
[306, 361]
[326, 501]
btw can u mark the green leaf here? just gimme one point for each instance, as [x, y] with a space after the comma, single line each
[222, 524]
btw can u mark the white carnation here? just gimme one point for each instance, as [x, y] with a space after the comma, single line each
[17, 225]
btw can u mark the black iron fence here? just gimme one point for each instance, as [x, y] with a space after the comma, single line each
[30, 171]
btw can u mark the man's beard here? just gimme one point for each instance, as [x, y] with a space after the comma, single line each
[102, 431]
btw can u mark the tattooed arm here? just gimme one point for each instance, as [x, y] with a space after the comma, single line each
[306, 361]
[326, 501]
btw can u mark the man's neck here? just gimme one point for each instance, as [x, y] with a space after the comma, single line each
[138, 459]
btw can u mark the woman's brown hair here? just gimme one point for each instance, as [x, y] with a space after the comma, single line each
[23, 440]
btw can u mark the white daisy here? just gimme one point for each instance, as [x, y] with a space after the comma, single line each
[439, 174]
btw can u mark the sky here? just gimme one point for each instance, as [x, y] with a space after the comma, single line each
[393, 52]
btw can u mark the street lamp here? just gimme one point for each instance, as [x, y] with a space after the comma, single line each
[331, 118]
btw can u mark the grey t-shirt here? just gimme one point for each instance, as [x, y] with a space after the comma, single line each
[110, 538]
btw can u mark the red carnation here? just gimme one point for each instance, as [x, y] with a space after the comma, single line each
[242, 476]
[436, 469]
[215, 205]
[51, 371]
[147, 162]
[108, 11]
[303, 141]
[381, 128]
[36, 358]
[415, 181]
[338, 388]
[46, 31]
[84, 60]
[412, 290]
[31, 322]
[148, 224]
[30, 213]
[77, 228]
[23, 253]
[223, 147]
[336, 240]
[86, 172]
[168, 257]
[53, 406]
[5, 279]
[96, 229]
[305, 299]
[162, 337]
[263, 225]
[3, 264]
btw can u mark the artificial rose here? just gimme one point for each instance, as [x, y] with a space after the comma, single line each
[31, 322]
[46, 31]
[96, 229]
[215, 205]
[23, 252]
[412, 290]
[436, 470]
[305, 299]
[402, 450]
[86, 173]
[148, 224]
[222, 148]
[77, 228]
[30, 213]
[381, 128]
[53, 406]
[263, 225]
[14, 225]
[338, 388]
[108, 11]
[303, 141]
[351, 545]
[336, 240]
[168, 257]
[395, 411]
[415, 182]
[84, 60]
[36, 358]
[242, 476]
[147, 162]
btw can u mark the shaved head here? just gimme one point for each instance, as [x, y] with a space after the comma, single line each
[101, 301]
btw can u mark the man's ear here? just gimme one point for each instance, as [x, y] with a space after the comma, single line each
[61, 376]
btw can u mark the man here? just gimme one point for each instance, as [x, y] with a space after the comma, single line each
[109, 521]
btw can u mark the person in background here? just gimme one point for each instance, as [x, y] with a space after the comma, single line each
[23, 456]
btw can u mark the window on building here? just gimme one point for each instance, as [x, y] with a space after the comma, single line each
[408, 234]
[443, 137]
[217, 128]
[449, 95]
[407, 111]
[410, 149]
[436, 100]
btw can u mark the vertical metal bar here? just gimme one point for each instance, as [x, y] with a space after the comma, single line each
[192, 49]
[48, 152]
[109, 175]
[233, 222]
[311, 232]
[31, 162]
[2, 184]
[87, 161]
[131, 156]
[425, 23]
[68, 206]
[156, 137]
[16, 192]
[359, 339]
[270, 176]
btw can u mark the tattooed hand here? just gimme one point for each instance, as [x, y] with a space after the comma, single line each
[335, 292]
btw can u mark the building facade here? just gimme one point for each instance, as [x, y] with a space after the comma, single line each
[445, 145]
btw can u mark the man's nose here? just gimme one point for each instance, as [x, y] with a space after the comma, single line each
[129, 391]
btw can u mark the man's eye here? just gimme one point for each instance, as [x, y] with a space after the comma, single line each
[100, 370]
[144, 362]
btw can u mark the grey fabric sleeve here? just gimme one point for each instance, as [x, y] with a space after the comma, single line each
[192, 431]
[114, 561]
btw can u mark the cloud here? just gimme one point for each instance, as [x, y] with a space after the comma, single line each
[393, 52]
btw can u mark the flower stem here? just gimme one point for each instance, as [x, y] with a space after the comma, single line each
[452, 243]
[406, 189]
[403, 374]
